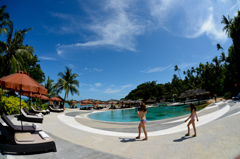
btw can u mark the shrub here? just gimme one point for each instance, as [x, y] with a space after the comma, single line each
[227, 95]
[11, 105]
[44, 106]
[38, 102]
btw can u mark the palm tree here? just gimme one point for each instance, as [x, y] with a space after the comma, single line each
[177, 69]
[4, 20]
[49, 85]
[228, 23]
[219, 47]
[14, 50]
[67, 82]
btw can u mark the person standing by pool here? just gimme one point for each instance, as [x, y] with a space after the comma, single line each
[142, 114]
[192, 121]
[215, 96]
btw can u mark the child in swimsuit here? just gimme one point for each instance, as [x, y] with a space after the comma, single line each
[142, 114]
[192, 121]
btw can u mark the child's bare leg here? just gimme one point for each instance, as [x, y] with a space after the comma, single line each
[188, 126]
[194, 128]
[144, 130]
[139, 131]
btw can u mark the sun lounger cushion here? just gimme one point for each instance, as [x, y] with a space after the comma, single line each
[35, 126]
[44, 135]
[23, 137]
[39, 111]
[31, 116]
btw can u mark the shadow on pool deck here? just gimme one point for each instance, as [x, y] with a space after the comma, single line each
[182, 139]
[129, 140]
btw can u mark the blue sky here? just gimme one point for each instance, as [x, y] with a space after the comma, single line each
[116, 45]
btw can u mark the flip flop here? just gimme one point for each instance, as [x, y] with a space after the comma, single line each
[145, 139]
[137, 137]
[187, 134]
[194, 136]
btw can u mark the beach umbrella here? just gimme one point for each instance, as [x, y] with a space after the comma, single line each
[74, 101]
[85, 101]
[39, 96]
[55, 99]
[199, 92]
[21, 82]
[97, 102]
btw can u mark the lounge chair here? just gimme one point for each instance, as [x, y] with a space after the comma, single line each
[47, 111]
[30, 118]
[12, 142]
[55, 110]
[28, 113]
[18, 128]
[38, 111]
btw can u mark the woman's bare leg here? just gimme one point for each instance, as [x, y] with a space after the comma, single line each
[144, 130]
[194, 128]
[189, 127]
[139, 131]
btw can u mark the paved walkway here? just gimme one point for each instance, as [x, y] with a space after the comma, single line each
[77, 136]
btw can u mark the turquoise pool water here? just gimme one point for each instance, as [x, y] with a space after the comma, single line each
[153, 113]
[68, 106]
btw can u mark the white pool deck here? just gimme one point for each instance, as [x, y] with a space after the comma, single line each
[218, 136]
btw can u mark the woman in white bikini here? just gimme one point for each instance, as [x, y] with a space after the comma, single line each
[192, 121]
[142, 114]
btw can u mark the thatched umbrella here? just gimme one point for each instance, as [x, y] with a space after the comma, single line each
[184, 95]
[198, 92]
[150, 100]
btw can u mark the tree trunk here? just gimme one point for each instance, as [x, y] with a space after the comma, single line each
[64, 101]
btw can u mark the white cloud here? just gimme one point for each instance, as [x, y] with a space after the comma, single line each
[94, 69]
[117, 24]
[72, 66]
[98, 84]
[98, 70]
[93, 89]
[157, 69]
[109, 90]
[192, 19]
[113, 25]
[129, 85]
[185, 65]
[46, 58]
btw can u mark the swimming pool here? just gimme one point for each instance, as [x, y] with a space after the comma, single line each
[153, 113]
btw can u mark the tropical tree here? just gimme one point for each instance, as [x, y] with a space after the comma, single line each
[228, 23]
[4, 20]
[4, 23]
[67, 82]
[177, 69]
[33, 68]
[49, 85]
[219, 47]
[14, 50]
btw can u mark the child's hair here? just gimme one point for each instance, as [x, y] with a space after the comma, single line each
[193, 107]
[143, 107]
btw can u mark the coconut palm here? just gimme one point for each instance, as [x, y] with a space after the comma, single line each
[68, 83]
[177, 69]
[14, 50]
[49, 85]
[4, 20]
[228, 23]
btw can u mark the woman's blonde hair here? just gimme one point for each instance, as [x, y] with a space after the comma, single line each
[143, 107]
